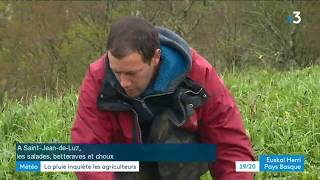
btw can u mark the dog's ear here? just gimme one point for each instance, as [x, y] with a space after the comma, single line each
[161, 127]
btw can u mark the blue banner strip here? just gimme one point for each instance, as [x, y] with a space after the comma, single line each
[29, 166]
[281, 163]
[116, 152]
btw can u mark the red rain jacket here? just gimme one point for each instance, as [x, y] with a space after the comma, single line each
[221, 121]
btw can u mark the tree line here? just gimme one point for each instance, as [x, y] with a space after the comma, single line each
[46, 46]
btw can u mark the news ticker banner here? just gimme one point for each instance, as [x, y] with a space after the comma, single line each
[115, 152]
[48, 157]
[77, 166]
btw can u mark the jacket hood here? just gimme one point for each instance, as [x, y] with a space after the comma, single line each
[175, 62]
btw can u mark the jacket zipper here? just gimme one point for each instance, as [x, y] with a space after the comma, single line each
[137, 125]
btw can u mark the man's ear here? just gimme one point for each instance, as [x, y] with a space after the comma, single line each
[156, 57]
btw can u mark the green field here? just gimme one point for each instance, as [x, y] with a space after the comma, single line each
[281, 111]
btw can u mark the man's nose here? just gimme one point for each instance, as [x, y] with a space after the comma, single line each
[124, 81]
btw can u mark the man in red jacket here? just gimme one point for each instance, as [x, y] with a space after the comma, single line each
[145, 72]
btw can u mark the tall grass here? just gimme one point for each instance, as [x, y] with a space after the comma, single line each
[43, 119]
[281, 111]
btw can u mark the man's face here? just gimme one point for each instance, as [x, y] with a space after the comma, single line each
[133, 74]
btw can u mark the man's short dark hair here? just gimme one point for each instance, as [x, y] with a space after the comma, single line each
[132, 34]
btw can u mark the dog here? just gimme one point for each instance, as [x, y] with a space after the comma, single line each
[163, 131]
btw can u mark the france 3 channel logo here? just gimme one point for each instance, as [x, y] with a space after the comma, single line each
[295, 18]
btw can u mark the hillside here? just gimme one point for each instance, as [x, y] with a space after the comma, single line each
[280, 109]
